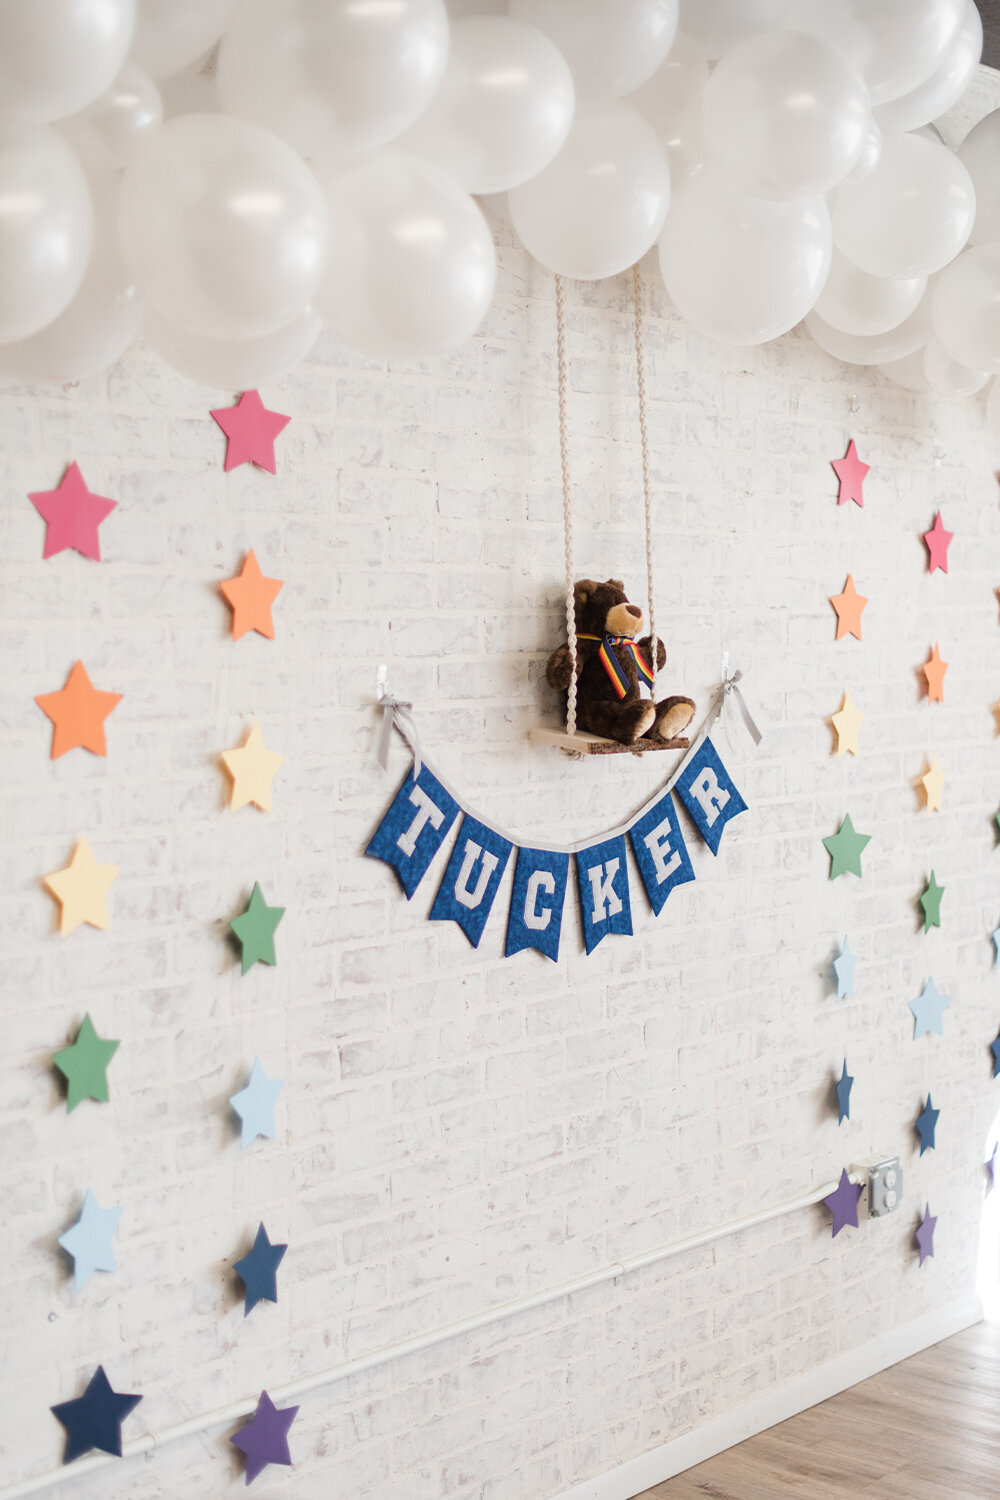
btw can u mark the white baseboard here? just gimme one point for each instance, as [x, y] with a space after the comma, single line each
[638, 1474]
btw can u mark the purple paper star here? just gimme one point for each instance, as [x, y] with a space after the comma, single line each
[991, 1167]
[925, 1234]
[843, 1203]
[264, 1439]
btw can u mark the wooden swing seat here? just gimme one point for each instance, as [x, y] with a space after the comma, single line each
[582, 743]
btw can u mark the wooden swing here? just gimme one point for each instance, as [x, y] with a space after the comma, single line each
[571, 740]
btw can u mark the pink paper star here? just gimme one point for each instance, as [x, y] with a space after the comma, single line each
[72, 515]
[851, 473]
[250, 431]
[937, 540]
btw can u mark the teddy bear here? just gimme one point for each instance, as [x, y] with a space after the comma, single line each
[613, 697]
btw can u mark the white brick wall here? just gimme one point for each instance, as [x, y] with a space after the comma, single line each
[457, 1129]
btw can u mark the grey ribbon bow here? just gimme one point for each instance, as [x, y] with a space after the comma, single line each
[395, 711]
[730, 689]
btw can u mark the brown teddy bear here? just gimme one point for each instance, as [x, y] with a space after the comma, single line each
[613, 670]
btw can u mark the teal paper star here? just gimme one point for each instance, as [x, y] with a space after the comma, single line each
[89, 1240]
[926, 1125]
[255, 929]
[844, 848]
[931, 903]
[996, 944]
[928, 1010]
[255, 1105]
[844, 1094]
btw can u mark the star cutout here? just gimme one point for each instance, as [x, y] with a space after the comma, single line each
[931, 903]
[844, 1086]
[255, 929]
[843, 1203]
[933, 782]
[78, 712]
[84, 1066]
[843, 967]
[258, 1271]
[844, 848]
[937, 540]
[926, 1123]
[847, 723]
[72, 515]
[996, 945]
[928, 1010]
[995, 1049]
[250, 596]
[89, 1240]
[924, 1234]
[264, 1439]
[849, 605]
[252, 766]
[94, 1420]
[255, 1105]
[250, 430]
[851, 473]
[934, 669]
[991, 1167]
[81, 890]
[996, 819]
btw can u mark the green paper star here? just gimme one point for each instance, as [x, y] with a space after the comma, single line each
[931, 903]
[844, 848]
[84, 1066]
[255, 929]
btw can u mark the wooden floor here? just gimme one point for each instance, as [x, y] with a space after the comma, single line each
[928, 1429]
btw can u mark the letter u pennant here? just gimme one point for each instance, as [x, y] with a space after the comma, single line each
[472, 879]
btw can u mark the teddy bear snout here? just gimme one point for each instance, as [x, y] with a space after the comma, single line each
[623, 619]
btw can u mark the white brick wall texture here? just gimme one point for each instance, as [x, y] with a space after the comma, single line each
[457, 1129]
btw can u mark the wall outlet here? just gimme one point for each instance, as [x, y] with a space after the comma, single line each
[885, 1187]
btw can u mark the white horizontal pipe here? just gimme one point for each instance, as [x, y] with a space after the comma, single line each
[224, 1415]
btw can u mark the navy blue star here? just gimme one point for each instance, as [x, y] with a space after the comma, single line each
[94, 1420]
[844, 1095]
[995, 1049]
[258, 1271]
[926, 1121]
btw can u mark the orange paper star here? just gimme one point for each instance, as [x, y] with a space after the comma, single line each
[849, 605]
[934, 669]
[250, 596]
[78, 712]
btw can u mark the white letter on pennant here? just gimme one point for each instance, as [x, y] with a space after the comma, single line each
[539, 880]
[658, 844]
[606, 902]
[709, 794]
[463, 895]
[427, 812]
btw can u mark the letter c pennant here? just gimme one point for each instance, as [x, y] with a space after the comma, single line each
[536, 902]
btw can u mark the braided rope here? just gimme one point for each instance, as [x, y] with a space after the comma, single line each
[567, 504]
[647, 509]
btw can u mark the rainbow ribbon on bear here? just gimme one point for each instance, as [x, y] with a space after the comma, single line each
[611, 663]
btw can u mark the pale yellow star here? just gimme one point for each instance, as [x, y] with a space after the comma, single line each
[252, 766]
[847, 723]
[933, 783]
[81, 890]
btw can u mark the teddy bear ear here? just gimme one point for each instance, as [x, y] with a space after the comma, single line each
[583, 589]
[616, 583]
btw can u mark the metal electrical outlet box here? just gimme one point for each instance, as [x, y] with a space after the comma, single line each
[885, 1187]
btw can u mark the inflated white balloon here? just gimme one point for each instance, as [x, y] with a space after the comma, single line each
[966, 308]
[120, 125]
[412, 263]
[675, 88]
[946, 84]
[58, 55]
[980, 154]
[225, 228]
[869, 156]
[873, 348]
[231, 364]
[171, 34]
[717, 25]
[598, 207]
[894, 44]
[854, 302]
[612, 46]
[785, 116]
[909, 217]
[46, 231]
[741, 269]
[907, 372]
[504, 107]
[946, 377]
[333, 75]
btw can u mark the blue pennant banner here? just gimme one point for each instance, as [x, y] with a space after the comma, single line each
[602, 876]
[709, 793]
[536, 902]
[660, 851]
[471, 881]
[414, 828]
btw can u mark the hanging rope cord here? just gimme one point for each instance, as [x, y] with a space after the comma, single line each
[640, 374]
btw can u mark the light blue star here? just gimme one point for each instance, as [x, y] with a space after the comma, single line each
[89, 1240]
[255, 1105]
[928, 1010]
[843, 967]
[996, 944]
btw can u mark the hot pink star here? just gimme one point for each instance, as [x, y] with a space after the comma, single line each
[937, 540]
[250, 431]
[72, 515]
[851, 473]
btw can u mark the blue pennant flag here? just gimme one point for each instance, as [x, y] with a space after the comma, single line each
[414, 828]
[536, 902]
[709, 794]
[602, 875]
[471, 881]
[660, 852]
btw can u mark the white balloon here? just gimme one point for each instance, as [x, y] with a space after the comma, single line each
[993, 409]
[686, 154]
[785, 116]
[873, 348]
[231, 364]
[412, 263]
[717, 25]
[869, 156]
[852, 301]
[46, 231]
[504, 107]
[225, 228]
[675, 88]
[597, 208]
[612, 46]
[170, 34]
[894, 44]
[910, 216]
[57, 55]
[966, 308]
[946, 377]
[980, 154]
[907, 372]
[333, 75]
[740, 269]
[945, 85]
[120, 125]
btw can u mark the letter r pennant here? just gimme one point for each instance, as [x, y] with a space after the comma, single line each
[471, 881]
